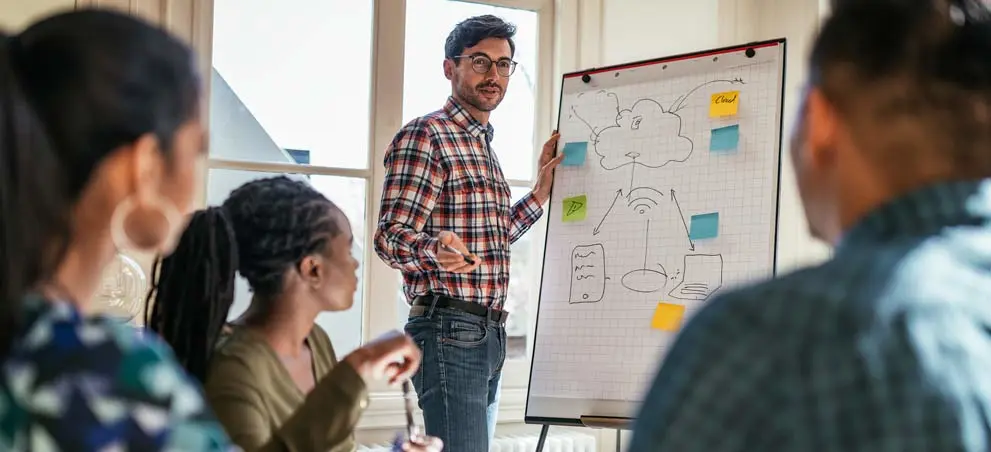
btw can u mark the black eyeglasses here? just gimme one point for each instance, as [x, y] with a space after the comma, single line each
[482, 64]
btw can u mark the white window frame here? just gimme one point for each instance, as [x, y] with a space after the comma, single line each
[380, 307]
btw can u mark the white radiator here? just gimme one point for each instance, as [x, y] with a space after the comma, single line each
[556, 442]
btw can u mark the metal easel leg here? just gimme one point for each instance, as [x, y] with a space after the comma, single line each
[543, 437]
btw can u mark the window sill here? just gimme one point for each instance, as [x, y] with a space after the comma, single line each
[386, 411]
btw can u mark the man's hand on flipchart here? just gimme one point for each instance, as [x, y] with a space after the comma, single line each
[452, 261]
[547, 162]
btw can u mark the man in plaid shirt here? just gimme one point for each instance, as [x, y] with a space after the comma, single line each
[446, 223]
[887, 346]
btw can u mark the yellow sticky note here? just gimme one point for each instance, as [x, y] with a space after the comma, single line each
[667, 317]
[724, 104]
[574, 209]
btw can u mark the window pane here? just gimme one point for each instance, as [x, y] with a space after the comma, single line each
[292, 81]
[523, 290]
[428, 23]
[348, 193]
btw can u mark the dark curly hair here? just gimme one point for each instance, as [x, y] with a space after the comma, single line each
[265, 228]
[473, 30]
[924, 77]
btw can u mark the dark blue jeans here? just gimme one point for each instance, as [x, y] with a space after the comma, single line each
[458, 380]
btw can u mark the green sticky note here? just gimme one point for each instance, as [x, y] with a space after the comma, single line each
[574, 209]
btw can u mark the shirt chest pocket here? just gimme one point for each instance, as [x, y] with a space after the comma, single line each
[468, 193]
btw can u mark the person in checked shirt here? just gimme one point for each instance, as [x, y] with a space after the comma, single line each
[444, 190]
[886, 346]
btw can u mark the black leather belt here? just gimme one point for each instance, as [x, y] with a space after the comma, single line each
[422, 304]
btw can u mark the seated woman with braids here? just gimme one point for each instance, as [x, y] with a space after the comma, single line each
[273, 380]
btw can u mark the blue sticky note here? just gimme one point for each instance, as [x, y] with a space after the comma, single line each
[704, 226]
[725, 138]
[574, 153]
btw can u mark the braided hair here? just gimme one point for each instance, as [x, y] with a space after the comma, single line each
[920, 71]
[264, 229]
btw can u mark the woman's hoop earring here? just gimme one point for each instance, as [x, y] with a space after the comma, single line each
[118, 233]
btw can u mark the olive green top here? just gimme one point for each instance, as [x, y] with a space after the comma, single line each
[261, 407]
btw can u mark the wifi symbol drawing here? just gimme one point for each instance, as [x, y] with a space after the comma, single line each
[643, 199]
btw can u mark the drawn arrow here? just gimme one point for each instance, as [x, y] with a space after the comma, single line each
[603, 220]
[691, 244]
[679, 102]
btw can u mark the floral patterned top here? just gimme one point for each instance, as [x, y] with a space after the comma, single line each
[74, 382]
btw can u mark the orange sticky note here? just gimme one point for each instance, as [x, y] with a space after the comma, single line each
[724, 104]
[667, 317]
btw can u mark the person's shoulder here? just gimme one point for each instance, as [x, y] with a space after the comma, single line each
[97, 345]
[240, 343]
[145, 367]
[106, 374]
[782, 305]
[243, 357]
[321, 340]
[425, 124]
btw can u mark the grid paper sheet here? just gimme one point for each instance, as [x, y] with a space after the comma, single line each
[673, 211]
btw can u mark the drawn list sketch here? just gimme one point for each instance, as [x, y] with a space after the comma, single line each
[588, 273]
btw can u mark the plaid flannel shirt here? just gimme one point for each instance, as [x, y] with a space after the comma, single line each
[886, 347]
[442, 174]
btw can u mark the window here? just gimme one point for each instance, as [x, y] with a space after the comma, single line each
[302, 70]
[291, 88]
[428, 23]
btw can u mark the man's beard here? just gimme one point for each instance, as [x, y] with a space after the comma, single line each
[473, 97]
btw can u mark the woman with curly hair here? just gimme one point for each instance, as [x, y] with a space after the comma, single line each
[273, 378]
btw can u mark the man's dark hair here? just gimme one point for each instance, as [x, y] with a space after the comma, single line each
[914, 76]
[473, 30]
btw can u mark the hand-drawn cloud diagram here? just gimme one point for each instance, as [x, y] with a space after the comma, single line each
[644, 135]
[648, 135]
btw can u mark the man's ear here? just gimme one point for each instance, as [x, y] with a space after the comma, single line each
[448, 68]
[821, 123]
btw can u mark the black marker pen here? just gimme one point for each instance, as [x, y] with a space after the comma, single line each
[467, 259]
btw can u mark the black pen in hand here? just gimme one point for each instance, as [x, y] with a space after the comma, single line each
[467, 259]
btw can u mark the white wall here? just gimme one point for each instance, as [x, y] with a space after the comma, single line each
[797, 21]
[642, 29]
[16, 14]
